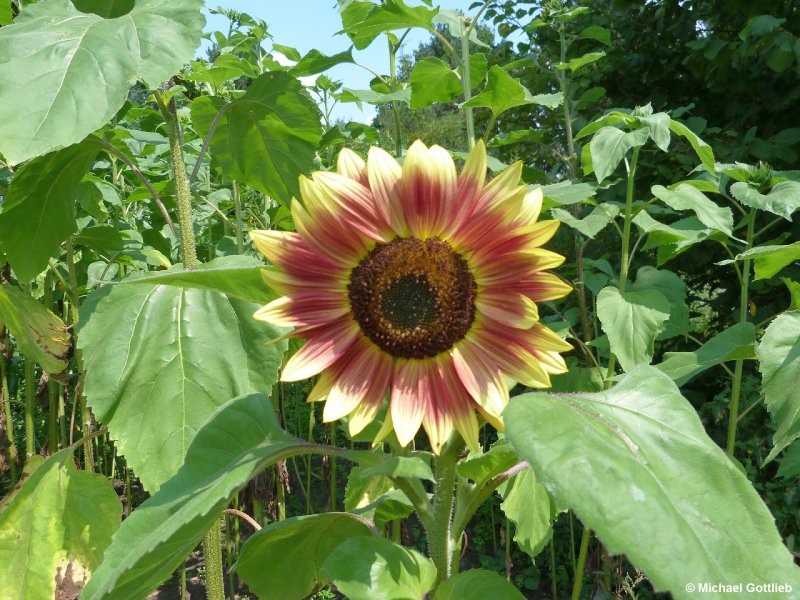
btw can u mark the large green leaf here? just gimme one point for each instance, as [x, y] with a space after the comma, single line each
[160, 359]
[636, 465]
[779, 363]
[782, 200]
[364, 21]
[503, 92]
[293, 551]
[674, 290]
[316, 62]
[769, 260]
[688, 197]
[374, 568]
[237, 442]
[76, 68]
[267, 137]
[54, 529]
[527, 504]
[238, 276]
[477, 584]
[632, 321]
[736, 342]
[40, 335]
[610, 145]
[432, 80]
[39, 209]
[703, 150]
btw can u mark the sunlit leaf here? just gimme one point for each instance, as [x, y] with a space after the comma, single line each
[432, 80]
[632, 321]
[779, 363]
[160, 359]
[674, 290]
[76, 68]
[782, 200]
[687, 197]
[503, 92]
[703, 150]
[267, 137]
[527, 503]
[637, 467]
[316, 62]
[591, 224]
[610, 145]
[364, 22]
[769, 260]
[54, 529]
[236, 443]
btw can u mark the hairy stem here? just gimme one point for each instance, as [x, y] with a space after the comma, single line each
[183, 194]
[237, 208]
[442, 546]
[6, 402]
[736, 389]
[30, 406]
[212, 551]
[466, 84]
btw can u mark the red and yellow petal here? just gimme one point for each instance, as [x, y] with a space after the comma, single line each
[325, 346]
[351, 165]
[304, 309]
[480, 375]
[514, 310]
[411, 392]
[351, 385]
[427, 190]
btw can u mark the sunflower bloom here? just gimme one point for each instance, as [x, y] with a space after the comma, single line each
[418, 281]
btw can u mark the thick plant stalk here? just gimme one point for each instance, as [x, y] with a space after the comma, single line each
[578, 583]
[739, 366]
[442, 547]
[212, 551]
[237, 208]
[466, 84]
[52, 386]
[30, 406]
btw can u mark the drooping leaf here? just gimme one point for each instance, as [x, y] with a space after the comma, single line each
[41, 336]
[373, 97]
[632, 321]
[5, 12]
[503, 92]
[736, 342]
[527, 504]
[674, 238]
[237, 276]
[160, 359]
[236, 443]
[595, 32]
[779, 363]
[39, 209]
[674, 290]
[703, 150]
[782, 200]
[369, 568]
[479, 469]
[636, 465]
[316, 62]
[267, 137]
[76, 68]
[477, 584]
[102, 238]
[591, 224]
[658, 126]
[295, 550]
[576, 64]
[432, 80]
[687, 197]
[55, 528]
[790, 463]
[610, 145]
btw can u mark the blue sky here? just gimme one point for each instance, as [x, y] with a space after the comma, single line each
[308, 24]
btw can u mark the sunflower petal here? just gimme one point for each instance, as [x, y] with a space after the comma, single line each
[352, 165]
[410, 395]
[427, 189]
[481, 376]
[514, 310]
[352, 383]
[324, 347]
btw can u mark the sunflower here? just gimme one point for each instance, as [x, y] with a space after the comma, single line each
[418, 281]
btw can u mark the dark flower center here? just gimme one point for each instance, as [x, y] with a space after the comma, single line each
[413, 298]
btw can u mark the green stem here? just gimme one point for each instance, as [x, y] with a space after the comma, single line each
[183, 194]
[212, 551]
[553, 582]
[30, 406]
[578, 582]
[332, 480]
[466, 84]
[52, 386]
[443, 549]
[626, 240]
[733, 418]
[398, 142]
[6, 401]
[237, 210]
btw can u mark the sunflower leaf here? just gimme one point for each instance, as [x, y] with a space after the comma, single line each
[295, 550]
[527, 503]
[477, 584]
[239, 440]
[779, 363]
[632, 321]
[153, 396]
[685, 497]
